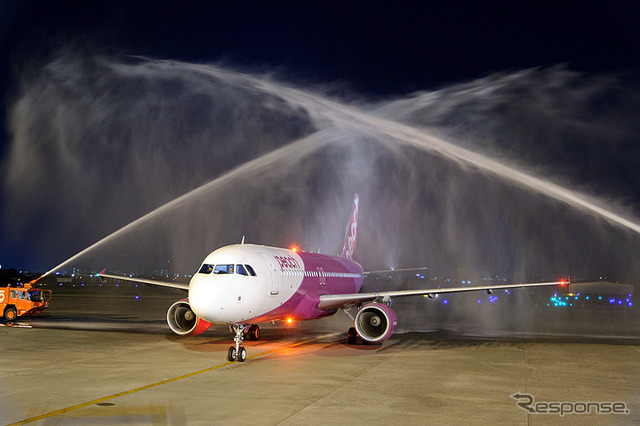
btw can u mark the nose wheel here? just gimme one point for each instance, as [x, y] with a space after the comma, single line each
[237, 352]
[234, 355]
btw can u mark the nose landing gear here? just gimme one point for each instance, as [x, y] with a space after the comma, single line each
[238, 352]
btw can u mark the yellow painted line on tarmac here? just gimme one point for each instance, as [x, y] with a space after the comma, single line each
[175, 379]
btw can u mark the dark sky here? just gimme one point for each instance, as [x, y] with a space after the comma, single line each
[377, 47]
[374, 49]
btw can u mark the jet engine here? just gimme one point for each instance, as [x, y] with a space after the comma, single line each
[184, 321]
[375, 322]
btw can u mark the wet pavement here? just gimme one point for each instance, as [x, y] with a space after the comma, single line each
[107, 360]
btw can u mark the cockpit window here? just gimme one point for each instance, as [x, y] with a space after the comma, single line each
[245, 270]
[250, 270]
[223, 269]
[206, 269]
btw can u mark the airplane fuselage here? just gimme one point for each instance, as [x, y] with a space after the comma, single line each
[249, 283]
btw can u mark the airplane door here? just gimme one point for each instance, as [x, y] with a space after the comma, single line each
[322, 278]
[273, 272]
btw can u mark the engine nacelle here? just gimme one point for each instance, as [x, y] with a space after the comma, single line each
[184, 321]
[375, 322]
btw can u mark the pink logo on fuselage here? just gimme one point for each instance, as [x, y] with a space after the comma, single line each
[287, 262]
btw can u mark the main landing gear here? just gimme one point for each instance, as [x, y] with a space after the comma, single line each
[352, 336]
[238, 352]
[253, 332]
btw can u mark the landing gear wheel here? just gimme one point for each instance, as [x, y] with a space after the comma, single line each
[352, 336]
[242, 355]
[231, 354]
[237, 352]
[10, 314]
[254, 332]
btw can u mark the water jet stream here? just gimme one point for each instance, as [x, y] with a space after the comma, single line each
[343, 116]
[332, 116]
[291, 152]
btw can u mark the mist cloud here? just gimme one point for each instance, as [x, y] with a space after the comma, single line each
[100, 141]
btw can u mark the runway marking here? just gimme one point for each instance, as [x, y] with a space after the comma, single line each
[174, 379]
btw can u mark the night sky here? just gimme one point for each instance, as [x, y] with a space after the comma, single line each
[377, 48]
[371, 50]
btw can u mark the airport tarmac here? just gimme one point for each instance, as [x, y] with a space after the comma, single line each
[98, 361]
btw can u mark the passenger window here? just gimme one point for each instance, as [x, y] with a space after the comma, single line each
[240, 270]
[22, 295]
[13, 294]
[206, 269]
[223, 269]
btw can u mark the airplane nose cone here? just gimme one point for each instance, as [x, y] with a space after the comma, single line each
[203, 299]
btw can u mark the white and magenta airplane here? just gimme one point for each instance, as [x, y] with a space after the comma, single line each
[244, 285]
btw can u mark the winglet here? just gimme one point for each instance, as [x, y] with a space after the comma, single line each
[349, 248]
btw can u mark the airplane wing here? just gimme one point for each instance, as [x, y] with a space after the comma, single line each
[181, 286]
[328, 301]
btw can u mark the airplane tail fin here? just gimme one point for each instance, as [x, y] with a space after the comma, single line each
[349, 248]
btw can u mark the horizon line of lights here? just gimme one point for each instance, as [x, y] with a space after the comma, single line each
[568, 300]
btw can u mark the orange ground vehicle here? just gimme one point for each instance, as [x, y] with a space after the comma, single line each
[25, 300]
